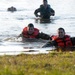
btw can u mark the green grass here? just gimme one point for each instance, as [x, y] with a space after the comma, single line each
[55, 63]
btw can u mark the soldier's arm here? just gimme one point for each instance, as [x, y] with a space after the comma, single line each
[44, 36]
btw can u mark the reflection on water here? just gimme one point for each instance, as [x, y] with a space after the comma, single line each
[25, 43]
[38, 20]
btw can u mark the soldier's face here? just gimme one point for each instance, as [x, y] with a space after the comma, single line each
[45, 3]
[61, 33]
[30, 30]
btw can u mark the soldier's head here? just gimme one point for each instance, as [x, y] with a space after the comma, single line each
[61, 32]
[30, 28]
[45, 2]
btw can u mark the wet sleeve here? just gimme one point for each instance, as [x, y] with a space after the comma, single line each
[52, 11]
[50, 44]
[73, 40]
[54, 43]
[44, 36]
[36, 12]
[20, 35]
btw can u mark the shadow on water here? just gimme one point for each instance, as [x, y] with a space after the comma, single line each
[38, 20]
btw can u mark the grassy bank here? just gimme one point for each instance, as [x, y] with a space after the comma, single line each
[56, 63]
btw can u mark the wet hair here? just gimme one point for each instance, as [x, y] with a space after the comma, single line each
[30, 25]
[61, 29]
[44, 0]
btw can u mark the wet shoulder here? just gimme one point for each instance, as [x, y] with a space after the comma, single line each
[41, 6]
[36, 29]
[54, 37]
[67, 36]
[25, 29]
[49, 6]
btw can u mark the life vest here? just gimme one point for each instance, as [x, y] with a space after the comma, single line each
[65, 42]
[26, 35]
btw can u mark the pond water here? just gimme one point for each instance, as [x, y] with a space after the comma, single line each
[11, 24]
